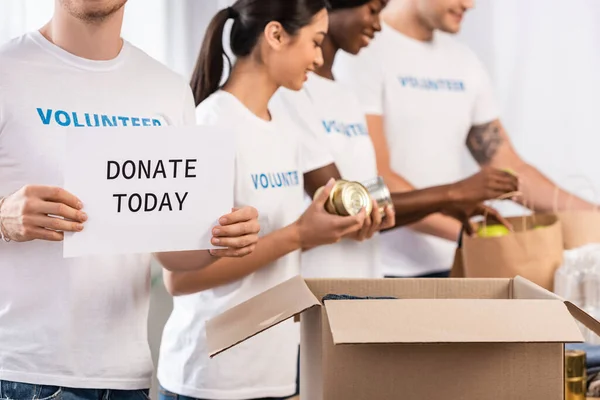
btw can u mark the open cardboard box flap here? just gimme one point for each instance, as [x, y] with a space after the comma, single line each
[525, 289]
[408, 320]
[450, 321]
[258, 314]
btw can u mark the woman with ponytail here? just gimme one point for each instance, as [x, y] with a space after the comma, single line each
[331, 117]
[276, 44]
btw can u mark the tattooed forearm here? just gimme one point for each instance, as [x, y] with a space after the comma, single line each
[484, 141]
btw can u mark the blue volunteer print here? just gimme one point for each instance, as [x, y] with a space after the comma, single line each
[273, 180]
[64, 118]
[349, 130]
[445, 85]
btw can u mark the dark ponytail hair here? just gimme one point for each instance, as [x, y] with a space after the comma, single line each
[341, 4]
[249, 20]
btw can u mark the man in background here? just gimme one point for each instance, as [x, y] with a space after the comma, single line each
[427, 100]
[77, 328]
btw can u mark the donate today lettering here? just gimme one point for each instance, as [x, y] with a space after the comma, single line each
[150, 169]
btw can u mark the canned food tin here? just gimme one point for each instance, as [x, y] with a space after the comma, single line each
[380, 192]
[328, 204]
[575, 375]
[347, 198]
[335, 193]
[350, 198]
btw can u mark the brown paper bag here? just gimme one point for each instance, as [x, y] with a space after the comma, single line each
[579, 228]
[532, 253]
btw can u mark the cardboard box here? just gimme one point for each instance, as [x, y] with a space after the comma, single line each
[459, 339]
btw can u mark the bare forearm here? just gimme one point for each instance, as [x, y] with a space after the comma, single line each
[315, 179]
[417, 204]
[543, 195]
[419, 209]
[227, 270]
[440, 226]
[185, 260]
[490, 145]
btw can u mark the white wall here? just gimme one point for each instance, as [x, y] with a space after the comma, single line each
[544, 59]
[169, 30]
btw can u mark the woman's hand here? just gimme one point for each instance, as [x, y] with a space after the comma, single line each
[237, 233]
[375, 223]
[317, 227]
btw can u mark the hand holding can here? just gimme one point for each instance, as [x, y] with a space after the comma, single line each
[348, 198]
[380, 192]
[318, 226]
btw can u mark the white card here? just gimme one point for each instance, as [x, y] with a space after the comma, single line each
[148, 190]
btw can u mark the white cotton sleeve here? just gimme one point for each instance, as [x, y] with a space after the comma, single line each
[304, 120]
[189, 108]
[485, 108]
[363, 75]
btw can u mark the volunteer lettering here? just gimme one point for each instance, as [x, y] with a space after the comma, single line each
[150, 169]
[275, 180]
[73, 119]
[449, 85]
[349, 130]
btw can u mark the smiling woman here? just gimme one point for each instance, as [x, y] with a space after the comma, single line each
[250, 22]
[276, 43]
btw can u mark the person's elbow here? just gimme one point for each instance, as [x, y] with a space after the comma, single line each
[509, 160]
[173, 289]
[185, 261]
[175, 283]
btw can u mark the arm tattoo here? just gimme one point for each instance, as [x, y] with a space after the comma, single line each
[484, 141]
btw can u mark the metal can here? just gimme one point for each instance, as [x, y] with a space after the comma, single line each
[335, 192]
[575, 375]
[380, 192]
[347, 198]
[350, 198]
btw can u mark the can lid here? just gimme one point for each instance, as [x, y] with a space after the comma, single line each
[354, 197]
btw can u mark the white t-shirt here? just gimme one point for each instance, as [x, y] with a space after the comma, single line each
[78, 322]
[269, 176]
[430, 94]
[330, 114]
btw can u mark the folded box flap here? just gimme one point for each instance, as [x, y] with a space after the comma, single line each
[525, 289]
[450, 321]
[258, 314]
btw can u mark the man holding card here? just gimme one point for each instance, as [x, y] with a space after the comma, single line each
[77, 327]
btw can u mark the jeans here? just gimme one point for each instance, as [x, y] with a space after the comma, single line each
[164, 394]
[26, 391]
